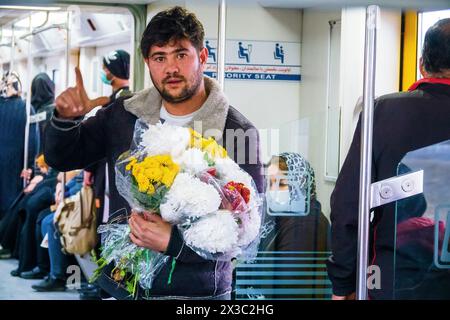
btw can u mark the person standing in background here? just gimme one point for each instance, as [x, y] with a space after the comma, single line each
[402, 122]
[43, 101]
[13, 120]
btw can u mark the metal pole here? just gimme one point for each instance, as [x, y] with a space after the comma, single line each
[221, 43]
[372, 14]
[68, 26]
[28, 106]
[13, 49]
[66, 83]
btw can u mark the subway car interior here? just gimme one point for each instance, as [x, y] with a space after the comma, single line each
[316, 79]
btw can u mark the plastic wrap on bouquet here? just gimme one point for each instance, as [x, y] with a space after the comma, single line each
[133, 265]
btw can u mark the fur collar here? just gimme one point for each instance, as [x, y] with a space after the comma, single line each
[212, 115]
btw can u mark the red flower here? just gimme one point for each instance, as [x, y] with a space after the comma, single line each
[212, 171]
[240, 188]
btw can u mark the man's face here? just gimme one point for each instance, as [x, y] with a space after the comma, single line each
[176, 69]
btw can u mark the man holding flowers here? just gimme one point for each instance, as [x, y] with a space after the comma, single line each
[173, 49]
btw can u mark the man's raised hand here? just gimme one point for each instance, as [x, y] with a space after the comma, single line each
[74, 101]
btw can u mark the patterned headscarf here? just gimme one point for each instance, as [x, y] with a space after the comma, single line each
[11, 85]
[300, 175]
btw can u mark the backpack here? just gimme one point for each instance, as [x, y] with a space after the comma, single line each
[76, 220]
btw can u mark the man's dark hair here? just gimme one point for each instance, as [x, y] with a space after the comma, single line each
[436, 47]
[171, 25]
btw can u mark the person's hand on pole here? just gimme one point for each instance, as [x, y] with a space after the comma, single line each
[26, 174]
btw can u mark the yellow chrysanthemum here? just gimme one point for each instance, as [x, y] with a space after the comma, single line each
[143, 185]
[151, 189]
[166, 160]
[130, 164]
[136, 170]
[150, 162]
[164, 170]
[168, 178]
[196, 139]
[154, 174]
[214, 149]
[174, 168]
[209, 145]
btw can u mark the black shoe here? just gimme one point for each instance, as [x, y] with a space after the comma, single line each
[5, 254]
[50, 284]
[36, 273]
[15, 273]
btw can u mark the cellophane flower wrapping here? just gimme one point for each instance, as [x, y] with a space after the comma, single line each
[192, 183]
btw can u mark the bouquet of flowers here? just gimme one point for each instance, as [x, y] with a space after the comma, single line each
[191, 183]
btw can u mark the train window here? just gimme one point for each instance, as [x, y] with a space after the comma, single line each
[425, 21]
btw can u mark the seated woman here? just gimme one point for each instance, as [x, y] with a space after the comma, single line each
[293, 210]
[294, 238]
[41, 186]
[56, 280]
[29, 246]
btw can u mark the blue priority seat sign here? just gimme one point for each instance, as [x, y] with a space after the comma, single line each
[256, 60]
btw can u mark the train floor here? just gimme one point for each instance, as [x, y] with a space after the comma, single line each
[15, 288]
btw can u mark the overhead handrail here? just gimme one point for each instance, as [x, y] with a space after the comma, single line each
[40, 30]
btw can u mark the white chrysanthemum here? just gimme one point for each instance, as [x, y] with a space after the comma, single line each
[165, 139]
[230, 171]
[189, 197]
[214, 233]
[249, 228]
[192, 161]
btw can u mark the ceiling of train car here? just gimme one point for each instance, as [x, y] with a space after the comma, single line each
[428, 4]
[417, 4]
[298, 4]
[97, 26]
[7, 16]
[113, 1]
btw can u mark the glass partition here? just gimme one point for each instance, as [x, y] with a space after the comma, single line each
[422, 259]
[294, 247]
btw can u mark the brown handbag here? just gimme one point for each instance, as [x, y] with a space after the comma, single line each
[76, 220]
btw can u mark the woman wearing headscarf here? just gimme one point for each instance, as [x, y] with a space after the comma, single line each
[294, 237]
[43, 101]
[293, 210]
[12, 135]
